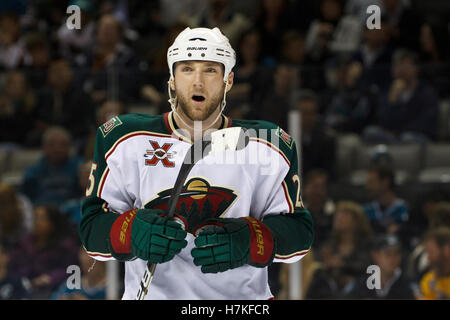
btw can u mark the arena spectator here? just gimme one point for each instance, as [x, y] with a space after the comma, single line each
[246, 74]
[219, 13]
[403, 22]
[350, 236]
[438, 215]
[434, 56]
[37, 59]
[293, 49]
[53, 179]
[316, 198]
[157, 57]
[387, 212]
[44, 255]
[409, 109]
[16, 6]
[17, 108]
[62, 102]
[72, 208]
[424, 205]
[144, 22]
[15, 216]
[318, 141]
[358, 8]
[275, 91]
[321, 30]
[73, 42]
[46, 15]
[11, 287]
[11, 42]
[93, 281]
[308, 267]
[349, 107]
[386, 253]
[155, 74]
[318, 42]
[435, 285]
[344, 256]
[108, 110]
[272, 18]
[375, 55]
[180, 11]
[433, 47]
[112, 65]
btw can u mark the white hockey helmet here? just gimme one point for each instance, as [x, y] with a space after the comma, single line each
[202, 44]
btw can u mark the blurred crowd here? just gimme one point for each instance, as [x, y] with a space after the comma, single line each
[384, 85]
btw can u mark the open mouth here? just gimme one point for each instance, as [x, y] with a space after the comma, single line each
[198, 98]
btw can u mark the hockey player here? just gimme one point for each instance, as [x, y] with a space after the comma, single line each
[254, 218]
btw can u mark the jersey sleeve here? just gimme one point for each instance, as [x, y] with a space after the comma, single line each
[106, 198]
[283, 210]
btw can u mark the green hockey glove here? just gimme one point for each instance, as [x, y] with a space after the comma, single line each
[147, 235]
[233, 242]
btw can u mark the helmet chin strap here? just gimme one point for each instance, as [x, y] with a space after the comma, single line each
[174, 102]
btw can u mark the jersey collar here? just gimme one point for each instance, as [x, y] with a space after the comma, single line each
[172, 126]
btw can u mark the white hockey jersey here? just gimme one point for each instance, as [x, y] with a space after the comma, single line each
[136, 161]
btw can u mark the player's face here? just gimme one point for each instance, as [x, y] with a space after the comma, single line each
[199, 88]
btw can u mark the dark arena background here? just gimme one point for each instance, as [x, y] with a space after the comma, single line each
[361, 85]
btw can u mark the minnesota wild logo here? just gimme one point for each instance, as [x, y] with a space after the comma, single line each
[199, 201]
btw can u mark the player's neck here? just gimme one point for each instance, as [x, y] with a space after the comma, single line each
[197, 129]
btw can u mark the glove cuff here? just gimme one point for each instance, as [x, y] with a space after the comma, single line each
[262, 247]
[120, 234]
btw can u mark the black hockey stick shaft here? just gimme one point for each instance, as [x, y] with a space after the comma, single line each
[190, 160]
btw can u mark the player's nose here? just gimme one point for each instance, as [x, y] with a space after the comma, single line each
[199, 80]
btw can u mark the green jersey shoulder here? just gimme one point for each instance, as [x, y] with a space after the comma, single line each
[128, 124]
[270, 132]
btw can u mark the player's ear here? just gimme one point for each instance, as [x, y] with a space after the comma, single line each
[229, 83]
[172, 84]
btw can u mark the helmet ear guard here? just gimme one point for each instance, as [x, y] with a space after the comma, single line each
[171, 83]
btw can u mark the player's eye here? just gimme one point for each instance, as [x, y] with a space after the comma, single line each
[211, 70]
[186, 69]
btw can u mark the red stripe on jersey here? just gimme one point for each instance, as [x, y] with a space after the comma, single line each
[288, 198]
[102, 183]
[301, 253]
[126, 137]
[166, 122]
[99, 255]
[271, 146]
[230, 121]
